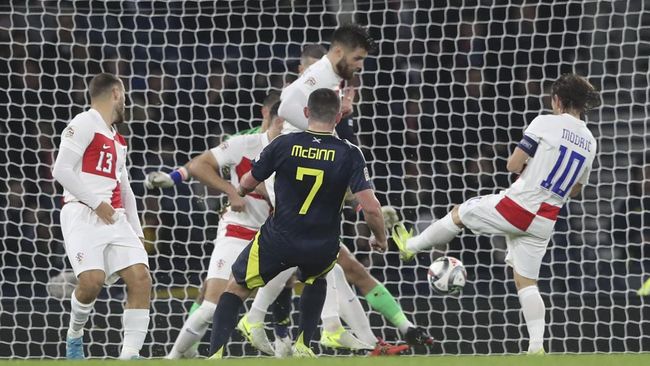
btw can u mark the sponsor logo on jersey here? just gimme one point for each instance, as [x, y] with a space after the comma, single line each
[104, 146]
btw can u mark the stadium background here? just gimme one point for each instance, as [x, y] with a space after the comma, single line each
[451, 87]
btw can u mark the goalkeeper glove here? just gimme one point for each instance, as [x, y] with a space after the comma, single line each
[164, 180]
[390, 216]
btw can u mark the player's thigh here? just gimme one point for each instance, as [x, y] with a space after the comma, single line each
[479, 214]
[525, 255]
[318, 264]
[260, 261]
[225, 252]
[136, 277]
[124, 250]
[214, 288]
[83, 237]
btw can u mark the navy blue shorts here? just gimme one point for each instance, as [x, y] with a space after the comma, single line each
[264, 258]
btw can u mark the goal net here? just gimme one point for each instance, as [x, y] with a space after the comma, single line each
[441, 104]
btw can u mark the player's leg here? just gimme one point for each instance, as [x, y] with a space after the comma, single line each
[380, 298]
[82, 301]
[525, 256]
[251, 325]
[257, 264]
[438, 234]
[351, 311]
[135, 318]
[281, 311]
[197, 322]
[84, 246]
[333, 334]
[225, 252]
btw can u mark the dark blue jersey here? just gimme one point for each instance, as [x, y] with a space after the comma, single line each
[313, 171]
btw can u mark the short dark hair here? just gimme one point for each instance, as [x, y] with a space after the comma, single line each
[324, 104]
[313, 50]
[575, 92]
[273, 112]
[102, 84]
[353, 36]
[271, 99]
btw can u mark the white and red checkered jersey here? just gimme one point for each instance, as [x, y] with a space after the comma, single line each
[237, 154]
[562, 151]
[103, 152]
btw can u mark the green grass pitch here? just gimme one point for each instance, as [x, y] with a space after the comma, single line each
[548, 360]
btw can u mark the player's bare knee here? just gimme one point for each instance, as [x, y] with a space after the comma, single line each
[90, 284]
[139, 280]
[522, 282]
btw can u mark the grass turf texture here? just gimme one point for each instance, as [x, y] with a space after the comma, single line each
[548, 360]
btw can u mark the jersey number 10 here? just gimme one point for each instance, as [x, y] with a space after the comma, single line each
[558, 185]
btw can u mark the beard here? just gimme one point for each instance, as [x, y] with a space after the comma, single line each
[345, 70]
[119, 114]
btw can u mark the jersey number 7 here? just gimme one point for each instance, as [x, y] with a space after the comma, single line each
[301, 172]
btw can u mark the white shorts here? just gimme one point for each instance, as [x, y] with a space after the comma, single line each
[525, 251]
[226, 250]
[91, 244]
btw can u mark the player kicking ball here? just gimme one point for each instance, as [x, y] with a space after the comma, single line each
[99, 220]
[313, 171]
[553, 159]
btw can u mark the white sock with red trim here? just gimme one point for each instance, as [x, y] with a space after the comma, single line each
[437, 234]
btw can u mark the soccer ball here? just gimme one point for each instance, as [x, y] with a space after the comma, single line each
[447, 276]
[62, 285]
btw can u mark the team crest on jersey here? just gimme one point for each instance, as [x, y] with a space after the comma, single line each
[311, 81]
[79, 257]
[69, 132]
[220, 263]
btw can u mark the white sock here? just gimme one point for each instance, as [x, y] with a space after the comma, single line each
[330, 313]
[351, 310]
[136, 324]
[79, 314]
[193, 330]
[437, 234]
[267, 294]
[534, 310]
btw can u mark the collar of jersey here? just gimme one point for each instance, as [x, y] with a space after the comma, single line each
[320, 133]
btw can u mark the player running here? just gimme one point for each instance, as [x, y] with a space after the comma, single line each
[554, 159]
[99, 220]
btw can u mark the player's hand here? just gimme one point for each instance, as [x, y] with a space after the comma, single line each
[106, 213]
[158, 180]
[348, 100]
[390, 216]
[377, 245]
[237, 203]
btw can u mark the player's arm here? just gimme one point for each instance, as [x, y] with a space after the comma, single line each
[130, 206]
[247, 184]
[374, 218]
[517, 161]
[64, 173]
[205, 168]
[292, 105]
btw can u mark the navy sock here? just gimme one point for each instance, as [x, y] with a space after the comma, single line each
[311, 306]
[282, 312]
[224, 321]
